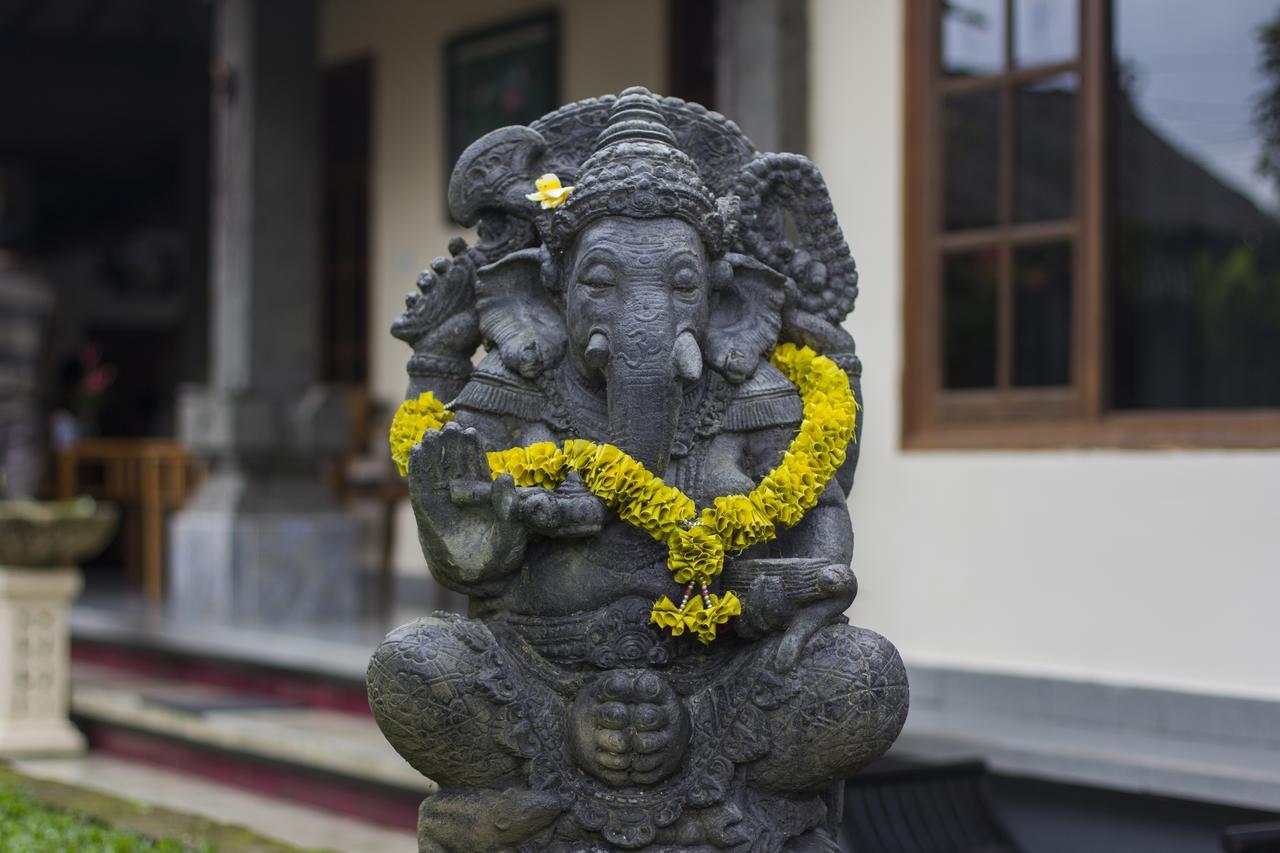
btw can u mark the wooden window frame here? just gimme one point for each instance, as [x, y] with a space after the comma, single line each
[1077, 415]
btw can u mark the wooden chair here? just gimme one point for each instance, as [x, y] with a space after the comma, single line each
[149, 478]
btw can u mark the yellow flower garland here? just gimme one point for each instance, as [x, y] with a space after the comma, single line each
[697, 541]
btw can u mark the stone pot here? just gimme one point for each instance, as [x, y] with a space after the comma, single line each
[57, 534]
[40, 545]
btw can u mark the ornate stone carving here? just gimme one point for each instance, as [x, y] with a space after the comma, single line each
[40, 543]
[640, 312]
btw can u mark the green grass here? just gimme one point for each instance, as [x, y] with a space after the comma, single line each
[43, 816]
[28, 827]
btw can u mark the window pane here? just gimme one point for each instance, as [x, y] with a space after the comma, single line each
[1045, 149]
[972, 36]
[969, 319]
[1195, 267]
[1045, 31]
[1042, 314]
[971, 129]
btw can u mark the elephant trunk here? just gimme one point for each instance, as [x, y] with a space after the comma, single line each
[646, 371]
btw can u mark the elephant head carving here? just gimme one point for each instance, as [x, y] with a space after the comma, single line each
[637, 309]
[654, 268]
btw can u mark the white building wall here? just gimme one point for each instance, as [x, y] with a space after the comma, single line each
[606, 45]
[1136, 567]
[1157, 567]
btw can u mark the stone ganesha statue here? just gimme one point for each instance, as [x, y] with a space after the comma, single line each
[642, 307]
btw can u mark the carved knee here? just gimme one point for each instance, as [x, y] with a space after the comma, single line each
[843, 706]
[442, 695]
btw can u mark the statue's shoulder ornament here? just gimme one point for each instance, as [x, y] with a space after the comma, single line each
[495, 389]
[767, 399]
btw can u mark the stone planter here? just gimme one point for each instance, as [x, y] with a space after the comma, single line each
[40, 546]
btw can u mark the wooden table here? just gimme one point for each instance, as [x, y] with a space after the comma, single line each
[148, 477]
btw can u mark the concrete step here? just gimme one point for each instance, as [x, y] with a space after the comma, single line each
[279, 746]
[322, 666]
[169, 791]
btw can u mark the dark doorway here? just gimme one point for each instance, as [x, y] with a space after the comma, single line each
[691, 50]
[344, 315]
[105, 106]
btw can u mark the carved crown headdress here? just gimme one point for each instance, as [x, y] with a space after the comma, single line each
[638, 170]
[650, 157]
[635, 155]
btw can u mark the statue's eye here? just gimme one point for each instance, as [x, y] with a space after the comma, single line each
[685, 279]
[597, 277]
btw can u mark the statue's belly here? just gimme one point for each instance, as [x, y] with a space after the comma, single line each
[563, 576]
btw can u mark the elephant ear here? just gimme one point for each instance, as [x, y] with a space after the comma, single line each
[518, 315]
[495, 172]
[745, 316]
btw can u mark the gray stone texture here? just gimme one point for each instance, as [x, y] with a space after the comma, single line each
[25, 308]
[640, 313]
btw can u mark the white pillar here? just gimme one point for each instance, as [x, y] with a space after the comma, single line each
[35, 661]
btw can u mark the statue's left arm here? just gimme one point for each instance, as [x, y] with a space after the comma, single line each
[821, 585]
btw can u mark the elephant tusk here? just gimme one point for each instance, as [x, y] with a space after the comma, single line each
[688, 357]
[597, 352]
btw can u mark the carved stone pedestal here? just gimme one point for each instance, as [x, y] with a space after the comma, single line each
[34, 661]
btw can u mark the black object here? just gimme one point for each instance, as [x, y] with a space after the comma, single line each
[944, 809]
[1252, 838]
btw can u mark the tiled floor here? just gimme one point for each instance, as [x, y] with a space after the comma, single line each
[288, 822]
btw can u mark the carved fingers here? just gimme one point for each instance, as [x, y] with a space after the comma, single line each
[451, 459]
[802, 628]
[569, 511]
[466, 520]
[629, 728]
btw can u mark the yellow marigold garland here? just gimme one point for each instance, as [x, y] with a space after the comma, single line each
[697, 541]
[412, 420]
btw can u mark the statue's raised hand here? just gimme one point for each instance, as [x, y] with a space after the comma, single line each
[468, 523]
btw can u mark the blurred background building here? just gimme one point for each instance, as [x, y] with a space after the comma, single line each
[1065, 217]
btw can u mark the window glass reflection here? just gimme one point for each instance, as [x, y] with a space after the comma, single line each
[972, 36]
[969, 319]
[971, 137]
[1045, 31]
[1042, 314]
[1195, 266]
[1045, 149]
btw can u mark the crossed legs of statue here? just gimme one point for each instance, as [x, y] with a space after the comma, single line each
[473, 714]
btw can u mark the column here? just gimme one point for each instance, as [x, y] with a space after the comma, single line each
[762, 71]
[263, 540]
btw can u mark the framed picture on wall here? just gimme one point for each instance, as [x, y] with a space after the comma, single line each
[504, 75]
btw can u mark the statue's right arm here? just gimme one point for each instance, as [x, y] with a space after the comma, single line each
[467, 522]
